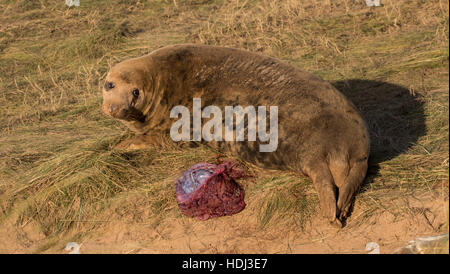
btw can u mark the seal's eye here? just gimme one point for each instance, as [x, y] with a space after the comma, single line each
[135, 92]
[109, 85]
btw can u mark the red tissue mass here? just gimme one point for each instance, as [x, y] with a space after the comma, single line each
[207, 191]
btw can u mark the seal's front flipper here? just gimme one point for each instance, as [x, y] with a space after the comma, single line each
[134, 143]
[153, 139]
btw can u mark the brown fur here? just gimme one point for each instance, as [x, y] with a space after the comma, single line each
[321, 134]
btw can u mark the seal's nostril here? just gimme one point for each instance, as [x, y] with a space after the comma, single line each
[112, 108]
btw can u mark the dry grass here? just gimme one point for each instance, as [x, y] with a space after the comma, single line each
[57, 166]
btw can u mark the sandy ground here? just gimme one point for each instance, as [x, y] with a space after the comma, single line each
[238, 234]
[241, 234]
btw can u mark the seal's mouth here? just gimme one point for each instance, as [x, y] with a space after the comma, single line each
[127, 114]
[133, 114]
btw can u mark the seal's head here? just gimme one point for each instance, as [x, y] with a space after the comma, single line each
[125, 91]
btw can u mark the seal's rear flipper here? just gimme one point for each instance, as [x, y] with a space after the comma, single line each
[324, 184]
[351, 184]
